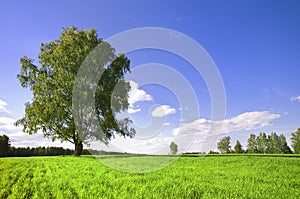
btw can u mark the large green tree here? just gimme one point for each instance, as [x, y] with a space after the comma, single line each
[224, 145]
[51, 82]
[295, 138]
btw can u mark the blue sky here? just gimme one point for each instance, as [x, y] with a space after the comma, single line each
[254, 44]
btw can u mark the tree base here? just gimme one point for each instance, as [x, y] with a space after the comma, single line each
[78, 149]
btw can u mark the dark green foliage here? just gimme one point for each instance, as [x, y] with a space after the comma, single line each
[252, 144]
[52, 151]
[278, 144]
[224, 145]
[238, 147]
[44, 151]
[4, 145]
[273, 146]
[262, 143]
[295, 138]
[284, 148]
[173, 148]
[39, 151]
[213, 152]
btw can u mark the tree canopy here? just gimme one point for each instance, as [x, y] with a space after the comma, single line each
[224, 145]
[238, 147]
[252, 144]
[273, 146]
[173, 148]
[4, 145]
[262, 143]
[51, 83]
[295, 138]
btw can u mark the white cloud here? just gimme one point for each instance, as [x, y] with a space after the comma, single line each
[136, 95]
[162, 111]
[166, 124]
[7, 124]
[297, 98]
[133, 110]
[244, 121]
[249, 121]
[3, 105]
[6, 120]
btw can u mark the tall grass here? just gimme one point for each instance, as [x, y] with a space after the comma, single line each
[187, 177]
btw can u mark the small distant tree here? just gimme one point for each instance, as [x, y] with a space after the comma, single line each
[252, 144]
[224, 145]
[295, 138]
[262, 143]
[4, 145]
[284, 148]
[173, 148]
[238, 147]
[273, 146]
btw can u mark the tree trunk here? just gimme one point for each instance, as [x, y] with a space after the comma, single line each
[78, 149]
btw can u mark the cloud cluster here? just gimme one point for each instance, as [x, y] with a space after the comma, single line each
[7, 126]
[297, 98]
[204, 130]
[136, 95]
[3, 105]
[162, 111]
[139, 95]
[244, 121]
[6, 122]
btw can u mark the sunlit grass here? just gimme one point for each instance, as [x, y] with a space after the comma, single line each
[187, 177]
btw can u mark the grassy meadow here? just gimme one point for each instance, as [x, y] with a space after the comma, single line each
[213, 176]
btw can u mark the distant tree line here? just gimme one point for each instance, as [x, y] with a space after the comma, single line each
[6, 150]
[264, 144]
[38, 151]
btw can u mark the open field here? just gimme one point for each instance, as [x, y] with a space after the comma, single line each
[246, 176]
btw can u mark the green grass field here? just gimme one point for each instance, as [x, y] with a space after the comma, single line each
[187, 177]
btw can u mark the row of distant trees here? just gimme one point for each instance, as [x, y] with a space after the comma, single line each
[265, 144]
[6, 150]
